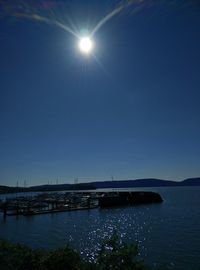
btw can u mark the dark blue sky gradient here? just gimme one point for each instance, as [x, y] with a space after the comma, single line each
[132, 111]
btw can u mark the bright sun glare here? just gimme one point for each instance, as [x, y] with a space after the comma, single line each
[85, 45]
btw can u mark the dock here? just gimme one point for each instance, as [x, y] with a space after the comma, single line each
[50, 203]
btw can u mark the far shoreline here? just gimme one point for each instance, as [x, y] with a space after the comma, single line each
[98, 185]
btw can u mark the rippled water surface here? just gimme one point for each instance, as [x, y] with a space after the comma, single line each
[167, 233]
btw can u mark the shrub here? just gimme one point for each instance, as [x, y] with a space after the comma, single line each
[114, 254]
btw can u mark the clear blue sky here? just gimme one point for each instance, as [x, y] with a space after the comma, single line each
[132, 111]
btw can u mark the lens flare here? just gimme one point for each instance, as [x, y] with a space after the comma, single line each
[45, 11]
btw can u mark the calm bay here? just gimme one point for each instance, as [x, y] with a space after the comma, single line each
[167, 233]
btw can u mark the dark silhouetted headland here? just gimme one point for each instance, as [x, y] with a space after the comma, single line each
[150, 182]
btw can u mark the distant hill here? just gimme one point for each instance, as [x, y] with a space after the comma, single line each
[191, 182]
[150, 182]
[6, 189]
[43, 188]
[81, 186]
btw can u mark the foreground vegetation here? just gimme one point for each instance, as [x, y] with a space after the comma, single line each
[113, 254]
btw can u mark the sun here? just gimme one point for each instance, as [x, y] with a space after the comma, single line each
[86, 45]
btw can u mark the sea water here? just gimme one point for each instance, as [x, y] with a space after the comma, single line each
[167, 233]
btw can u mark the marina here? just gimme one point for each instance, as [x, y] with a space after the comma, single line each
[49, 203]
